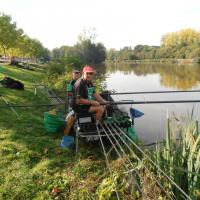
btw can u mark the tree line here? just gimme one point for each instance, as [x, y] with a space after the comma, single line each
[14, 42]
[85, 49]
[177, 45]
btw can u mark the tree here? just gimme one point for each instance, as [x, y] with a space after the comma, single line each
[111, 54]
[87, 49]
[100, 54]
[9, 34]
[87, 34]
[181, 38]
[181, 44]
[56, 53]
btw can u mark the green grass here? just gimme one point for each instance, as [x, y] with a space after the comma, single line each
[32, 165]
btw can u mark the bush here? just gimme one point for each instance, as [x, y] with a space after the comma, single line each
[59, 71]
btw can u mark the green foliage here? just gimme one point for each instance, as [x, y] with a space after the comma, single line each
[13, 42]
[181, 38]
[107, 188]
[181, 158]
[123, 54]
[86, 50]
[179, 45]
[9, 34]
[59, 71]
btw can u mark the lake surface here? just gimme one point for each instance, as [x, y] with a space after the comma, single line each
[154, 77]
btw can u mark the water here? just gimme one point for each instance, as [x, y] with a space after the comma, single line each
[154, 77]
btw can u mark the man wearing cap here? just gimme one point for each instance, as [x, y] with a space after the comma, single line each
[86, 99]
[70, 117]
[75, 76]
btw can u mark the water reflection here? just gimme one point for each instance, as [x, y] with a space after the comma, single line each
[171, 75]
[148, 77]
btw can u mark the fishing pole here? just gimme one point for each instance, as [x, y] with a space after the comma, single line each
[9, 105]
[124, 93]
[153, 163]
[152, 92]
[108, 164]
[150, 102]
[116, 144]
[31, 105]
[144, 92]
[107, 103]
[127, 144]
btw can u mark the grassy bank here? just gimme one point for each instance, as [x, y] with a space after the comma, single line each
[33, 166]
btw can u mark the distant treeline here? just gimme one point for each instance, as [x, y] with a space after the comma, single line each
[86, 50]
[184, 44]
[178, 45]
[14, 42]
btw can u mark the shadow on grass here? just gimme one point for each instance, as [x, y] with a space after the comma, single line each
[27, 77]
[32, 162]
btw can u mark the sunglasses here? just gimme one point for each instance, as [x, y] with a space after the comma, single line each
[76, 72]
[89, 73]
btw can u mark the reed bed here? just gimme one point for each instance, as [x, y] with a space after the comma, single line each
[179, 157]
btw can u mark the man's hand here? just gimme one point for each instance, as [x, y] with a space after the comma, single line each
[107, 103]
[95, 103]
[69, 94]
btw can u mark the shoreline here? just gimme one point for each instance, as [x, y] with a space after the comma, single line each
[163, 60]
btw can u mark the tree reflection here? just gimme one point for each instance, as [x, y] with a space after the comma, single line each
[171, 75]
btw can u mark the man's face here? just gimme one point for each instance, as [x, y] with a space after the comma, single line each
[88, 76]
[76, 75]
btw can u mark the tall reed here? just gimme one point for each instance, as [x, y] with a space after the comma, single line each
[179, 157]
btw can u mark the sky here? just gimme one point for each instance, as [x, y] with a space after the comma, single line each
[117, 23]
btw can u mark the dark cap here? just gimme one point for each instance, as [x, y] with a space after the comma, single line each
[76, 71]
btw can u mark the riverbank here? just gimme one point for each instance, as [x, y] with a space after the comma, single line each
[33, 166]
[163, 60]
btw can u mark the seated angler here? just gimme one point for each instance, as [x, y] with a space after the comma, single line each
[70, 117]
[86, 99]
[75, 76]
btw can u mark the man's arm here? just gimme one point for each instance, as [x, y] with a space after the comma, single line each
[99, 98]
[87, 102]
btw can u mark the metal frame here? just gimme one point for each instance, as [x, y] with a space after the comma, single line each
[90, 135]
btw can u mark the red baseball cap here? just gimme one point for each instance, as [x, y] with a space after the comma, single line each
[88, 69]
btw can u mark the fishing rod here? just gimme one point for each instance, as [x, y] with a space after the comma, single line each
[8, 105]
[31, 105]
[124, 93]
[115, 144]
[144, 92]
[107, 103]
[127, 144]
[150, 102]
[153, 163]
[107, 163]
[151, 92]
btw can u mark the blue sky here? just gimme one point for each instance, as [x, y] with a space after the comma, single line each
[118, 23]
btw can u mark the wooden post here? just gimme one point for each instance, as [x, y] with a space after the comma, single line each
[35, 89]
